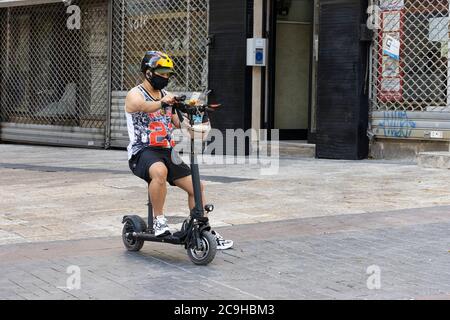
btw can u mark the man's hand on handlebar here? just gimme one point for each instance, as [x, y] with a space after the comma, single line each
[168, 99]
[192, 106]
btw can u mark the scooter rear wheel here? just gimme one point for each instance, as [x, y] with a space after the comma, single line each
[206, 254]
[133, 224]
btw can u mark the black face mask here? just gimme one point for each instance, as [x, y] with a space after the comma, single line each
[158, 82]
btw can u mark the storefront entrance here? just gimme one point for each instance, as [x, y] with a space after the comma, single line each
[292, 64]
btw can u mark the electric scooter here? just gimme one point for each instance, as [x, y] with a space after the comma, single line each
[195, 234]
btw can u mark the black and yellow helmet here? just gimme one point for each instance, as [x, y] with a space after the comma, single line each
[156, 61]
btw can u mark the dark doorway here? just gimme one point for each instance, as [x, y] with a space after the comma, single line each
[290, 68]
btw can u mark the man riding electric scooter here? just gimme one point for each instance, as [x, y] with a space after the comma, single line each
[150, 152]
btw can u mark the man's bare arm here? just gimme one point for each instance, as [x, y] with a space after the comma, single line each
[135, 102]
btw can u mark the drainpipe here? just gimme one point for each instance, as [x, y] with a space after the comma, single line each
[258, 27]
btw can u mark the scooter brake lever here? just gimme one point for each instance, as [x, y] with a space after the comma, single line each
[180, 98]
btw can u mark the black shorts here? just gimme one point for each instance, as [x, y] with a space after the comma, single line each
[142, 161]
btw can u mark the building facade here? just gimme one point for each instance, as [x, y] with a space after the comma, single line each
[356, 78]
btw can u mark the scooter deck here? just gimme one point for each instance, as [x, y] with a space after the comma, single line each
[151, 237]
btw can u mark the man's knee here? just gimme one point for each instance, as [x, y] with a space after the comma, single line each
[158, 173]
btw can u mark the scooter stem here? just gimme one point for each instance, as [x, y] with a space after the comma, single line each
[198, 210]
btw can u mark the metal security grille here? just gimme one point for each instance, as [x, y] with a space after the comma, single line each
[2, 50]
[177, 27]
[417, 79]
[52, 74]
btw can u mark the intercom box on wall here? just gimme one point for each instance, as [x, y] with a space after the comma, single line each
[256, 52]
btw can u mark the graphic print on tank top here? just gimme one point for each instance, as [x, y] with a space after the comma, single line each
[150, 129]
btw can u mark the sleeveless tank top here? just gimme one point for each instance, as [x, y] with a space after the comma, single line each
[149, 129]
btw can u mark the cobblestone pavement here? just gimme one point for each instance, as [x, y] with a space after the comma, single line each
[309, 258]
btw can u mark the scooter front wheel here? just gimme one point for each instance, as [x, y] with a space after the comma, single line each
[207, 252]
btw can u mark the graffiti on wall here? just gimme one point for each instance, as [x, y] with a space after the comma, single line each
[397, 124]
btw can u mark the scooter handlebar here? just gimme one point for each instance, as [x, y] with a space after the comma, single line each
[193, 109]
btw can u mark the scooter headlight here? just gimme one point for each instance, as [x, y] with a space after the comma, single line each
[197, 131]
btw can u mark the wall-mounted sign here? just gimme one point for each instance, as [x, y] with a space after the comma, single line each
[392, 4]
[438, 29]
[391, 47]
[391, 67]
[391, 21]
[390, 87]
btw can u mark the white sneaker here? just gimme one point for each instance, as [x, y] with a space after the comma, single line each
[222, 244]
[161, 227]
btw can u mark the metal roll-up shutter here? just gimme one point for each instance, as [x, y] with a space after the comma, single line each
[54, 76]
[342, 105]
[410, 93]
[229, 78]
[18, 3]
